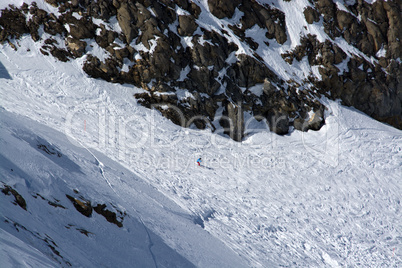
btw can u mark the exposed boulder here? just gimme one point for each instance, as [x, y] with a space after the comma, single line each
[100, 9]
[311, 15]
[59, 53]
[300, 124]
[53, 26]
[19, 200]
[163, 13]
[344, 19]
[265, 17]
[82, 206]
[97, 69]
[172, 112]
[394, 35]
[121, 53]
[248, 71]
[105, 37]
[126, 18]
[187, 25]
[76, 46]
[376, 34]
[203, 80]
[54, 3]
[223, 8]
[315, 122]
[83, 28]
[110, 216]
[328, 9]
[12, 24]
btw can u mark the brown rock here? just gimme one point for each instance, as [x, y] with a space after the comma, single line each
[105, 37]
[394, 34]
[52, 2]
[223, 8]
[110, 216]
[187, 25]
[280, 34]
[12, 24]
[121, 53]
[345, 19]
[82, 29]
[18, 198]
[54, 27]
[375, 32]
[268, 88]
[75, 46]
[311, 15]
[248, 72]
[84, 207]
[126, 19]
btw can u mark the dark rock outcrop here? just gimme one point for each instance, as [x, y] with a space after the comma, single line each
[76, 46]
[168, 52]
[311, 15]
[86, 208]
[187, 25]
[364, 84]
[82, 206]
[19, 200]
[126, 17]
[82, 28]
[12, 24]
[222, 8]
[110, 216]
[315, 122]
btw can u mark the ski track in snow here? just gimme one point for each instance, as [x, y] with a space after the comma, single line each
[329, 198]
[34, 172]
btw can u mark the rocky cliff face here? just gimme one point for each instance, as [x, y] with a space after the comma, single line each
[207, 65]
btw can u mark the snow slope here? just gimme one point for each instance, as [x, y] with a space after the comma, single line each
[40, 176]
[318, 199]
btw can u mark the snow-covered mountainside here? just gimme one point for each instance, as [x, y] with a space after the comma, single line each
[319, 199]
[215, 63]
[90, 177]
[67, 206]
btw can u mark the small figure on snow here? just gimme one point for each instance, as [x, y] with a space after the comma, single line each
[199, 161]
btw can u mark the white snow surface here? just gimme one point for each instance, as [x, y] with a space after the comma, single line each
[31, 171]
[16, 253]
[330, 198]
